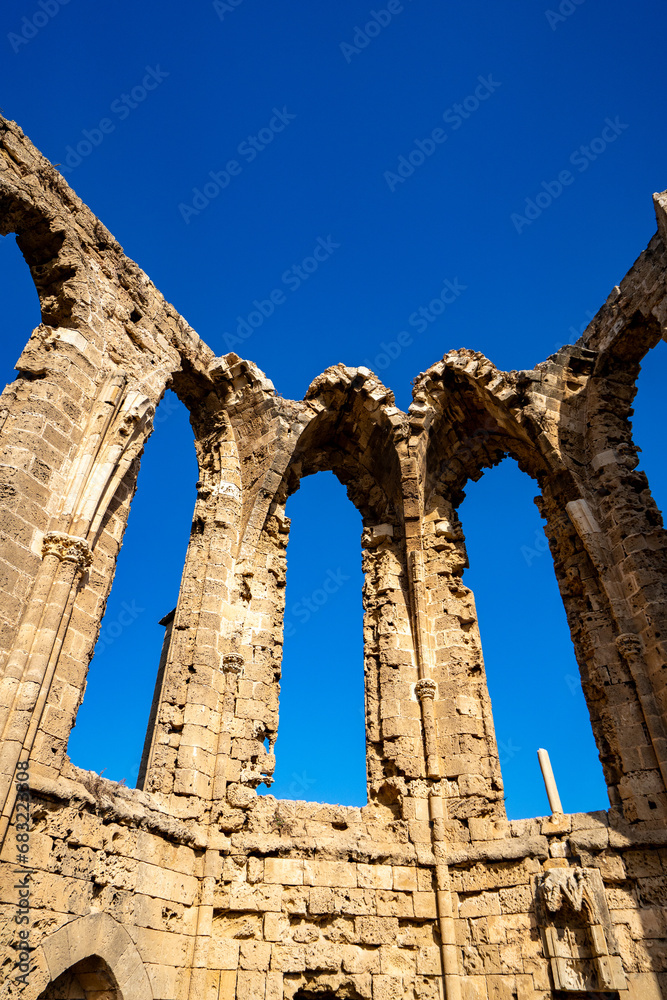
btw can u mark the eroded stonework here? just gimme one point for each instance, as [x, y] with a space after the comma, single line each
[193, 886]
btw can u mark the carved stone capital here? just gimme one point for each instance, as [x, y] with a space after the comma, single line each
[426, 688]
[68, 548]
[629, 645]
[232, 663]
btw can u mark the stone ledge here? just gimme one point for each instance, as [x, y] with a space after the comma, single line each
[123, 809]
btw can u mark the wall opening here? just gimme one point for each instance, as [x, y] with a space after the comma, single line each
[90, 979]
[111, 723]
[648, 422]
[21, 311]
[321, 745]
[532, 672]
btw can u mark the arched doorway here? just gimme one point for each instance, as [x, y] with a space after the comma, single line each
[90, 979]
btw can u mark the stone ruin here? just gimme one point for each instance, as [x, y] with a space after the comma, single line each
[191, 885]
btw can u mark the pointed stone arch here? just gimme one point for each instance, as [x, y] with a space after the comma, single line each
[99, 936]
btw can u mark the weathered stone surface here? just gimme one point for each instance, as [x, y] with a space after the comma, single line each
[193, 886]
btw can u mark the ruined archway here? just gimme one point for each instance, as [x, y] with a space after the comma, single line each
[89, 979]
[91, 955]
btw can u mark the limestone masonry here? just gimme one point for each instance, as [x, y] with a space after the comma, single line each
[193, 887]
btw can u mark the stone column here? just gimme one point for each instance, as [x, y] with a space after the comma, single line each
[631, 648]
[31, 666]
[426, 690]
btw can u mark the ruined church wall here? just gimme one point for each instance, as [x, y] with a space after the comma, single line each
[197, 886]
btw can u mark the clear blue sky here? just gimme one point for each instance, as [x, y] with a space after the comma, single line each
[308, 124]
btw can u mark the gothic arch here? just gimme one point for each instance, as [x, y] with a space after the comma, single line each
[96, 935]
[472, 416]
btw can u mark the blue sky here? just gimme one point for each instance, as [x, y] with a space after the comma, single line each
[221, 144]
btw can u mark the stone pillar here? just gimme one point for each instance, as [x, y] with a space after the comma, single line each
[30, 669]
[426, 690]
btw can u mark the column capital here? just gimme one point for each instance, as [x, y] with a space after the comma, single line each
[232, 663]
[629, 645]
[426, 688]
[68, 548]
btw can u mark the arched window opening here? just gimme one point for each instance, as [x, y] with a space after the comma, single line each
[321, 745]
[111, 724]
[532, 672]
[648, 422]
[21, 311]
[90, 979]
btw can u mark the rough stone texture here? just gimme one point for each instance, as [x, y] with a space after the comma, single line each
[192, 886]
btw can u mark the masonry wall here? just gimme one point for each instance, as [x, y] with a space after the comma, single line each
[193, 885]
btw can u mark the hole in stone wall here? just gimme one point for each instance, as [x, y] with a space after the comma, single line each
[532, 673]
[648, 422]
[88, 979]
[21, 311]
[111, 724]
[321, 745]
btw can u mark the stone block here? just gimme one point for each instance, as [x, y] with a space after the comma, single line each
[376, 930]
[336, 874]
[405, 879]
[429, 961]
[388, 988]
[274, 986]
[481, 904]
[374, 876]
[474, 988]
[357, 960]
[260, 898]
[224, 954]
[284, 872]
[250, 985]
[255, 956]
[288, 958]
[425, 905]
[516, 899]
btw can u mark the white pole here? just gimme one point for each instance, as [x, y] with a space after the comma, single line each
[549, 782]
